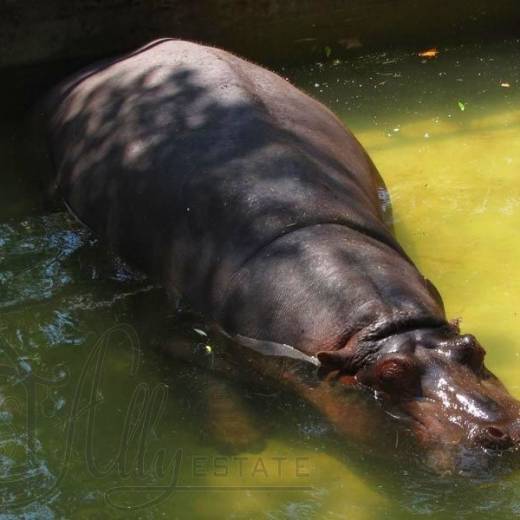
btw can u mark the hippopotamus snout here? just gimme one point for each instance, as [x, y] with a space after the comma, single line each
[437, 384]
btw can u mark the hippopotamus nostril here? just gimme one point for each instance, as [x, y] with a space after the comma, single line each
[495, 432]
[496, 438]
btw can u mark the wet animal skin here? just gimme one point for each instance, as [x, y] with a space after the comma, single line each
[254, 203]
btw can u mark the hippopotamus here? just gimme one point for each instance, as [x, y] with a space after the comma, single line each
[253, 203]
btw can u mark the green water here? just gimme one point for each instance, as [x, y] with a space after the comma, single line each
[129, 434]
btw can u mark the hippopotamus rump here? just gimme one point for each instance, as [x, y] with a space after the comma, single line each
[254, 203]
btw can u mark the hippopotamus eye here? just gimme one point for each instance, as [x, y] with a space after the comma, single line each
[396, 373]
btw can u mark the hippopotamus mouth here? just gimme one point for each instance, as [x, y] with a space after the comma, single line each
[435, 382]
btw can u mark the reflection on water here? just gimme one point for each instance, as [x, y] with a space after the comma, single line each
[112, 420]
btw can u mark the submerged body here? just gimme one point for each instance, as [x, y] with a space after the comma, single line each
[252, 201]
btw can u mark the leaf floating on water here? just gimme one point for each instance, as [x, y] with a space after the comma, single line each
[328, 51]
[429, 53]
[461, 106]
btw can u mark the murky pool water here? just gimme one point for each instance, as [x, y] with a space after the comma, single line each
[95, 423]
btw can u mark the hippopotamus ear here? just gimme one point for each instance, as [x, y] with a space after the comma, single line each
[343, 360]
[455, 325]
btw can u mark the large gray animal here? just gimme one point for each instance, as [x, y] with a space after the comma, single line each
[251, 200]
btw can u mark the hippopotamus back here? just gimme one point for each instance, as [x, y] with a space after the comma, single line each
[236, 190]
[253, 202]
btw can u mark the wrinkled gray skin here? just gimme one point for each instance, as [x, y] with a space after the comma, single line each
[252, 201]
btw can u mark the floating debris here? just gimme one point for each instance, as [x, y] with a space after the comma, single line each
[505, 84]
[350, 43]
[429, 53]
[461, 106]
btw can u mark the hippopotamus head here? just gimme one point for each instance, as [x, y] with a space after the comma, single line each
[436, 381]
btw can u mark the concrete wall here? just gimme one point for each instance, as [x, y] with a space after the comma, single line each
[42, 40]
[267, 30]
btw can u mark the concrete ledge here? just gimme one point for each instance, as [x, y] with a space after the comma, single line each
[265, 30]
[42, 41]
